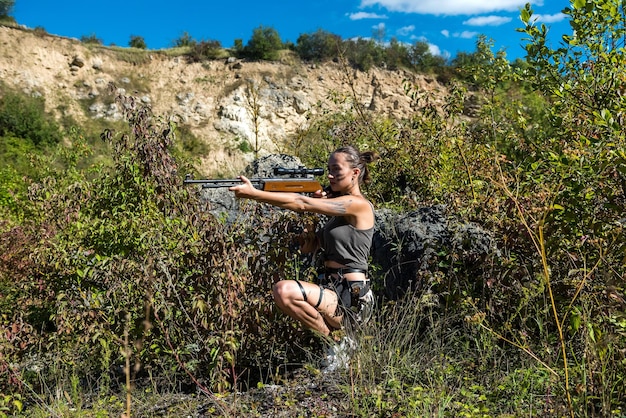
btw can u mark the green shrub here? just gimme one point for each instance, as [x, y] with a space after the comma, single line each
[131, 255]
[40, 31]
[443, 367]
[204, 50]
[318, 46]
[363, 53]
[422, 60]
[24, 117]
[13, 176]
[185, 40]
[264, 44]
[91, 39]
[137, 42]
[6, 6]
[540, 164]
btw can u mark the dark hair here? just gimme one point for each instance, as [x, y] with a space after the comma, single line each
[359, 160]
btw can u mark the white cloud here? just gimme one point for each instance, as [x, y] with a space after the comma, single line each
[557, 17]
[434, 49]
[487, 21]
[404, 31]
[363, 15]
[466, 34]
[379, 27]
[448, 7]
[445, 33]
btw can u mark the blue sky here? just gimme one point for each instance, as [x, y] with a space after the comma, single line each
[449, 26]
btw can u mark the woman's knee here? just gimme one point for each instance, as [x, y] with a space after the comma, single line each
[283, 290]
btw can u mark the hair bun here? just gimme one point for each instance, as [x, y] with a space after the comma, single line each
[368, 157]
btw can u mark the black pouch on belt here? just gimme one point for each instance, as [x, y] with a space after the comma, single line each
[358, 289]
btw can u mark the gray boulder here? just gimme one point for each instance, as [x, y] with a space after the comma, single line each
[222, 202]
[409, 246]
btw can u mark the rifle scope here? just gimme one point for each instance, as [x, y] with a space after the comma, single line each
[301, 171]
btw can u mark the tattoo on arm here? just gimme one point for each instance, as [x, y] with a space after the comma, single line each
[340, 206]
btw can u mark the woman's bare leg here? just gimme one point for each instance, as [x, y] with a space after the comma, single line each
[289, 298]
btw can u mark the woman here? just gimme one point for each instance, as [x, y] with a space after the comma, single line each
[345, 241]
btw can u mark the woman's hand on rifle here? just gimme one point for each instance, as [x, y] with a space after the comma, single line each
[245, 190]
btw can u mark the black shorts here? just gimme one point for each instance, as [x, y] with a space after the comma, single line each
[349, 292]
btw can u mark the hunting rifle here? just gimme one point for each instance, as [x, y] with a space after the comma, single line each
[299, 181]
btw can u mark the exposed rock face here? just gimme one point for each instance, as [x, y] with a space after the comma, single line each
[224, 102]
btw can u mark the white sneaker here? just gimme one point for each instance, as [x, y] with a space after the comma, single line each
[338, 355]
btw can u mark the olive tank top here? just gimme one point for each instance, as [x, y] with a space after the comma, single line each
[346, 244]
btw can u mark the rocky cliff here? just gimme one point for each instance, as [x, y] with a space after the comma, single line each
[224, 102]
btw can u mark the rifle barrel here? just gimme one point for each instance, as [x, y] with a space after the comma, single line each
[296, 185]
[216, 184]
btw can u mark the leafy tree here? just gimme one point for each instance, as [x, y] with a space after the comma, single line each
[318, 46]
[364, 53]
[264, 44]
[585, 79]
[6, 6]
[479, 66]
[379, 34]
[184, 40]
[238, 46]
[420, 57]
[396, 55]
[137, 42]
[461, 60]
